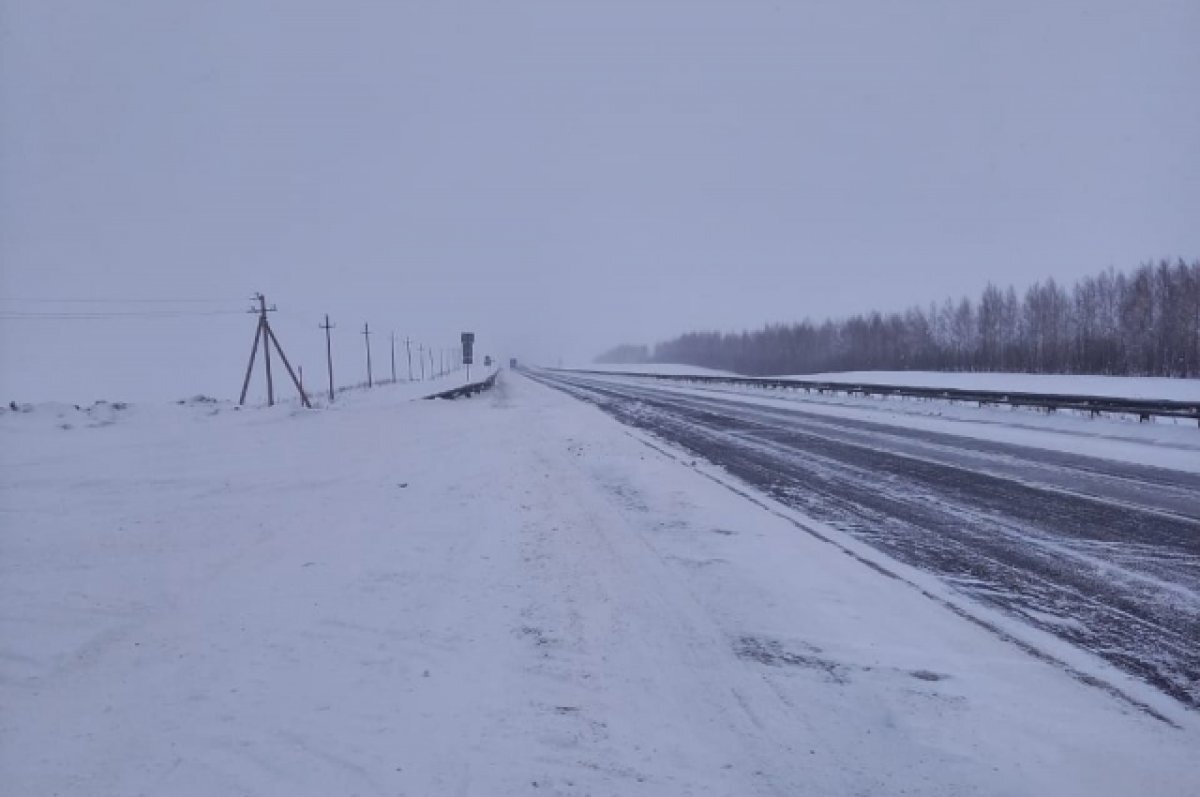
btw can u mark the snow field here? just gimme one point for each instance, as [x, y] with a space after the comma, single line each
[501, 595]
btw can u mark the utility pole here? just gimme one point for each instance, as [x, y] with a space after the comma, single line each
[328, 353]
[267, 336]
[393, 358]
[366, 333]
[430, 353]
[421, 357]
[262, 323]
[408, 348]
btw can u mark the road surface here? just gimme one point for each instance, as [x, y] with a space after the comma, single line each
[1103, 554]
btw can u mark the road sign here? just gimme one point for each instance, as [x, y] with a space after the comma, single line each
[468, 347]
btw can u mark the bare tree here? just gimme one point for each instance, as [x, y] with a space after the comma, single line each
[1145, 322]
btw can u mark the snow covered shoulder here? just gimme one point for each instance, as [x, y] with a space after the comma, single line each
[504, 595]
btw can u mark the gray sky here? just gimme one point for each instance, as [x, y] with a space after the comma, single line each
[561, 176]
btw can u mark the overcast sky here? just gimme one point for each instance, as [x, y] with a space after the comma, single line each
[560, 176]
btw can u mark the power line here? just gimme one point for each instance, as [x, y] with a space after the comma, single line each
[21, 315]
[41, 300]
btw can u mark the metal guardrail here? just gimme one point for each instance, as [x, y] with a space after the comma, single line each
[468, 389]
[1144, 409]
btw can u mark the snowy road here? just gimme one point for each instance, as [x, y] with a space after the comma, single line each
[508, 595]
[1103, 554]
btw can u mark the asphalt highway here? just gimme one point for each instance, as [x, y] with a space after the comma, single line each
[1103, 554]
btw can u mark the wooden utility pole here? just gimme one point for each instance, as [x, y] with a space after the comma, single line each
[393, 358]
[408, 348]
[262, 319]
[421, 357]
[366, 333]
[288, 366]
[328, 353]
[264, 333]
[430, 353]
[258, 333]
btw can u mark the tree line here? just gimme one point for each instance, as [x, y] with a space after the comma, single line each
[1142, 323]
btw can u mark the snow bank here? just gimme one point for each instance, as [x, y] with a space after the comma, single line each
[670, 369]
[1141, 387]
[21, 417]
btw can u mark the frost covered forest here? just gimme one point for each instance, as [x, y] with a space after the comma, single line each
[1142, 323]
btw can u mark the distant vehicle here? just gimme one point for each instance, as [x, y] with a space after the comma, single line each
[512, 362]
[487, 361]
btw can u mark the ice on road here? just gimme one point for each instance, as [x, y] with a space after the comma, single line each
[511, 594]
